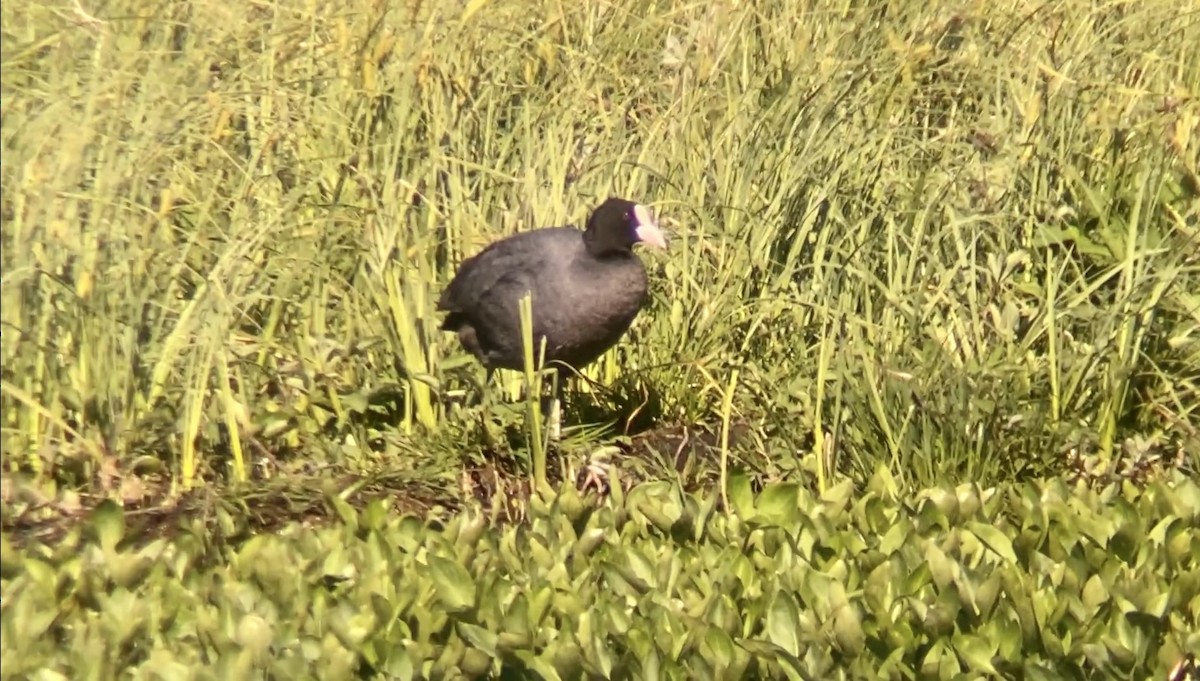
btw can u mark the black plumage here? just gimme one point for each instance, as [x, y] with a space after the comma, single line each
[587, 287]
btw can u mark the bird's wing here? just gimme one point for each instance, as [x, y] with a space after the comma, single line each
[476, 286]
[484, 271]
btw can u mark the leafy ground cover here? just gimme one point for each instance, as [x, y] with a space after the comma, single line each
[956, 242]
[1035, 581]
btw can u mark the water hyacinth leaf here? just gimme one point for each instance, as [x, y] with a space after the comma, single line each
[1036, 670]
[651, 661]
[783, 618]
[588, 542]
[940, 663]
[1158, 533]
[723, 613]
[976, 651]
[1094, 594]
[916, 578]
[31, 624]
[986, 594]
[344, 511]
[969, 501]
[1183, 544]
[778, 504]
[452, 583]
[470, 530]
[449, 657]
[658, 502]
[741, 497]
[540, 554]
[873, 514]
[374, 515]
[702, 517]
[946, 501]
[1097, 654]
[1184, 502]
[475, 663]
[930, 517]
[848, 634]
[625, 581]
[895, 537]
[717, 647]
[108, 524]
[1126, 541]
[640, 568]
[879, 588]
[477, 636]
[1005, 632]
[941, 567]
[410, 532]
[568, 504]
[837, 498]
[566, 657]
[254, 633]
[11, 561]
[883, 483]
[601, 658]
[127, 570]
[994, 539]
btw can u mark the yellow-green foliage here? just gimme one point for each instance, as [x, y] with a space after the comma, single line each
[1028, 581]
[941, 240]
[955, 238]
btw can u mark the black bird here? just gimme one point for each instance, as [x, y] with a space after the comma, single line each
[586, 289]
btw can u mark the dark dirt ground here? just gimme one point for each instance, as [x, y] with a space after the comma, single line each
[152, 511]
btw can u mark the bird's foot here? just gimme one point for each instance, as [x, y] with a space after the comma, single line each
[595, 475]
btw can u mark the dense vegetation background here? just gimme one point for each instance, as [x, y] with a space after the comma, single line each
[952, 242]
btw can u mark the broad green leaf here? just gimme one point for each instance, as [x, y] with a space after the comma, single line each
[479, 637]
[783, 618]
[567, 658]
[883, 483]
[588, 542]
[517, 624]
[717, 647]
[740, 496]
[848, 634]
[941, 567]
[453, 584]
[10, 560]
[344, 511]
[475, 663]
[837, 498]
[778, 504]
[108, 524]
[540, 555]
[411, 531]
[976, 651]
[640, 568]
[895, 537]
[1094, 593]
[994, 539]
[374, 515]
[254, 633]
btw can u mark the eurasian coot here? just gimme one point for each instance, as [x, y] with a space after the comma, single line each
[586, 288]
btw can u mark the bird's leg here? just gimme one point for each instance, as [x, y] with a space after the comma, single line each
[552, 407]
[485, 407]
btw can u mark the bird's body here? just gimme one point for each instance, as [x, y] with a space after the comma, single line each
[586, 287]
[585, 292]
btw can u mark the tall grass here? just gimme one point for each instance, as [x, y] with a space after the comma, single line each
[957, 240]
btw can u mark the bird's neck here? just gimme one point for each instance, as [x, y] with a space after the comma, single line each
[599, 247]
